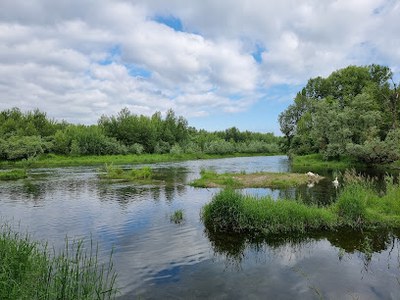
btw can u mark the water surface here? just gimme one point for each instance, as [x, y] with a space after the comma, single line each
[157, 259]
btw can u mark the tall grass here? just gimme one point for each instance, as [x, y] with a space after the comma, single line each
[232, 211]
[29, 270]
[358, 206]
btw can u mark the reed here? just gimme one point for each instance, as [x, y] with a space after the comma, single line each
[29, 270]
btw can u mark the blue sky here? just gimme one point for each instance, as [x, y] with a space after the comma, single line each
[217, 63]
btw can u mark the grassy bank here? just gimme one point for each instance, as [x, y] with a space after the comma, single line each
[52, 160]
[13, 174]
[211, 179]
[358, 206]
[29, 270]
[315, 162]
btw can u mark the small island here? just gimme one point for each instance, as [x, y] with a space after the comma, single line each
[211, 179]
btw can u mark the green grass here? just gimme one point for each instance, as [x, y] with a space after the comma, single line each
[358, 206]
[116, 172]
[13, 174]
[52, 160]
[211, 179]
[315, 162]
[177, 216]
[29, 270]
[231, 211]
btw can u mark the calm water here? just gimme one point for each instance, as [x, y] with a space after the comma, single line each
[157, 259]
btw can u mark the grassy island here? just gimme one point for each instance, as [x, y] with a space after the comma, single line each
[210, 179]
[13, 174]
[358, 206]
[116, 172]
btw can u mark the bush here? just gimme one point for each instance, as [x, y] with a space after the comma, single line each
[19, 147]
[136, 148]
[219, 147]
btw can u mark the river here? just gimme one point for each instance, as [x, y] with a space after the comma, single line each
[158, 259]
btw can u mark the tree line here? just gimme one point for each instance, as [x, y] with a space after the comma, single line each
[29, 134]
[354, 112]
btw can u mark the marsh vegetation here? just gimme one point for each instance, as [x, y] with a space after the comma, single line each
[358, 206]
[111, 171]
[13, 174]
[31, 270]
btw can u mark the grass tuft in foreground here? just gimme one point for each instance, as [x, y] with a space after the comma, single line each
[30, 271]
[13, 174]
[358, 206]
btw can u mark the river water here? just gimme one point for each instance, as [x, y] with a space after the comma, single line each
[158, 259]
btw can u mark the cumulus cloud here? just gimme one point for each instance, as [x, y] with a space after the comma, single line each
[80, 59]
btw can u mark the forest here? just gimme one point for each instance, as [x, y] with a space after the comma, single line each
[25, 135]
[353, 113]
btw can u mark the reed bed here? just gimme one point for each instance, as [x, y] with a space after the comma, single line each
[30, 270]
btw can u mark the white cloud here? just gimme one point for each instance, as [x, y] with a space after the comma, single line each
[74, 59]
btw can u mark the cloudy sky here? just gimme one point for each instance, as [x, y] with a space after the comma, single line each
[218, 63]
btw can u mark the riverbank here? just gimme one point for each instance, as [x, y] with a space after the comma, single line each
[358, 206]
[51, 160]
[211, 179]
[316, 162]
[30, 270]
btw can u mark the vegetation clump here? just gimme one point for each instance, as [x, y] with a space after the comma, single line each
[177, 217]
[13, 174]
[29, 270]
[358, 206]
[210, 179]
[116, 172]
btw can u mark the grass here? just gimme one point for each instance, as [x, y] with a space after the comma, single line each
[316, 162]
[116, 172]
[29, 270]
[13, 174]
[53, 160]
[177, 216]
[211, 179]
[358, 206]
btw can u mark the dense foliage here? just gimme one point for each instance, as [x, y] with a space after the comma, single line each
[353, 113]
[27, 135]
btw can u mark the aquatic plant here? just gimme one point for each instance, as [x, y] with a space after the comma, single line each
[116, 172]
[13, 174]
[29, 270]
[177, 216]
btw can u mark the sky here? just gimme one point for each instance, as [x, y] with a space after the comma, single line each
[218, 63]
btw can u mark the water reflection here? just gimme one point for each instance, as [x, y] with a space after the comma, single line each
[234, 246]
